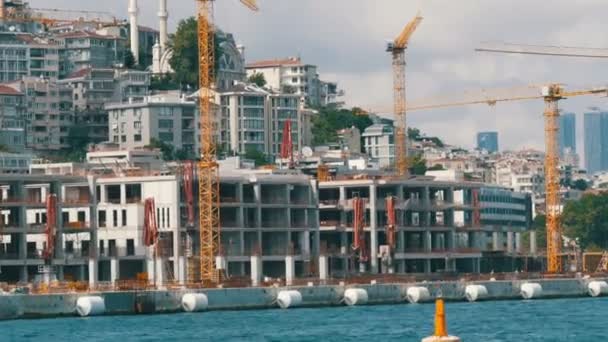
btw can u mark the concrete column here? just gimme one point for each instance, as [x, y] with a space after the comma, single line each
[427, 266]
[256, 270]
[123, 194]
[518, 242]
[427, 237]
[290, 270]
[114, 270]
[496, 241]
[93, 272]
[439, 241]
[159, 272]
[305, 243]
[532, 242]
[510, 241]
[373, 229]
[82, 273]
[323, 268]
[344, 249]
[221, 262]
[103, 194]
[181, 266]
[150, 267]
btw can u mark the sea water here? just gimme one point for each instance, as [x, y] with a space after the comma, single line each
[582, 319]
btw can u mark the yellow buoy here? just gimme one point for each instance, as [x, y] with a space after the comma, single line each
[441, 326]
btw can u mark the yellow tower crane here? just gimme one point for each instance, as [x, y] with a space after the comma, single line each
[209, 223]
[551, 94]
[552, 189]
[397, 50]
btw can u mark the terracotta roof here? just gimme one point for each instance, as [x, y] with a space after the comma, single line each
[275, 63]
[7, 90]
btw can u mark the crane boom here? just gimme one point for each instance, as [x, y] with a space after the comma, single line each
[547, 50]
[397, 49]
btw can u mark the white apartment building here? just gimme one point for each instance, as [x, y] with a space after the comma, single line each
[253, 118]
[170, 118]
[379, 144]
[291, 75]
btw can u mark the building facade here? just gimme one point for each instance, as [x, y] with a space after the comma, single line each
[596, 141]
[567, 133]
[487, 141]
[13, 119]
[169, 118]
[379, 144]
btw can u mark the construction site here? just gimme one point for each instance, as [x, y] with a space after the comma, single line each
[126, 232]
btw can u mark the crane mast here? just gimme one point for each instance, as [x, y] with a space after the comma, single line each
[208, 185]
[397, 50]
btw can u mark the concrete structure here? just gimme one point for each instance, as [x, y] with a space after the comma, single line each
[487, 141]
[567, 133]
[350, 139]
[86, 49]
[379, 144]
[23, 54]
[596, 141]
[440, 225]
[170, 118]
[12, 119]
[291, 75]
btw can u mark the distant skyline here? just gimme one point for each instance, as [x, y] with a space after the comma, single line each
[347, 38]
[567, 132]
[488, 141]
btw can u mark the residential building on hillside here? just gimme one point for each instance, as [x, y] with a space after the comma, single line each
[169, 118]
[291, 75]
[11, 163]
[487, 141]
[89, 50]
[379, 144]
[349, 139]
[596, 141]
[13, 119]
[27, 55]
[50, 112]
[567, 133]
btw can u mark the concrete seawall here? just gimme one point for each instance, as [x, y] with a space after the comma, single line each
[131, 302]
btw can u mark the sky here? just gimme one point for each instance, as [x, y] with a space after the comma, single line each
[346, 39]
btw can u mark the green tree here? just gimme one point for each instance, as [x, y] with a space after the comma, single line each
[258, 79]
[580, 184]
[164, 82]
[413, 133]
[129, 60]
[417, 165]
[185, 52]
[78, 141]
[257, 156]
[587, 220]
[331, 119]
[167, 151]
[436, 167]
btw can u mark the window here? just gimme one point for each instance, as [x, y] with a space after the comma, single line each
[69, 246]
[114, 218]
[164, 123]
[165, 136]
[130, 247]
[65, 217]
[137, 137]
[115, 139]
[124, 217]
[102, 246]
[81, 216]
[101, 217]
[137, 124]
[123, 138]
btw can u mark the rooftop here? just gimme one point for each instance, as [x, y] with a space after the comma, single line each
[269, 63]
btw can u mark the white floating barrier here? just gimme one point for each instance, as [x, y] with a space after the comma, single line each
[288, 299]
[474, 292]
[530, 290]
[597, 288]
[90, 306]
[417, 294]
[193, 302]
[354, 297]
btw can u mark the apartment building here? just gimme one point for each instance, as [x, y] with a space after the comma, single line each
[253, 118]
[291, 75]
[87, 49]
[24, 54]
[170, 118]
[439, 225]
[14, 163]
[12, 119]
[379, 144]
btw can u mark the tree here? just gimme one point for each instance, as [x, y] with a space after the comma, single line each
[413, 133]
[331, 119]
[257, 156]
[164, 82]
[258, 79]
[78, 141]
[587, 220]
[167, 151]
[580, 184]
[418, 165]
[185, 61]
[129, 60]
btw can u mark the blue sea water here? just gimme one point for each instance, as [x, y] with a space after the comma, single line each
[508, 321]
